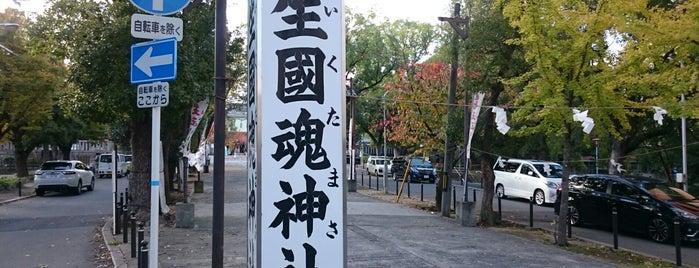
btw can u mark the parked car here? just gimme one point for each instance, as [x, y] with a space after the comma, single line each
[527, 178]
[396, 162]
[103, 163]
[375, 165]
[63, 176]
[643, 206]
[421, 170]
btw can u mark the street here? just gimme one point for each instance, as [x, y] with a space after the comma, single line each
[517, 210]
[56, 230]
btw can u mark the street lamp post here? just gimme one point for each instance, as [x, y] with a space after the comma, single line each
[385, 165]
[596, 140]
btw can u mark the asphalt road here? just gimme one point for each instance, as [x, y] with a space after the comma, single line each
[517, 210]
[56, 230]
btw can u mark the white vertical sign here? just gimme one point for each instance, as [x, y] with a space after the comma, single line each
[299, 158]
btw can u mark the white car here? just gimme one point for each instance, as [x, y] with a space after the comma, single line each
[63, 175]
[528, 179]
[375, 165]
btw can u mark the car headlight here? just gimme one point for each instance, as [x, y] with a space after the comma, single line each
[551, 184]
[684, 214]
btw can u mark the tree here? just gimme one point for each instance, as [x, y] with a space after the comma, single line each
[371, 65]
[27, 89]
[94, 38]
[564, 42]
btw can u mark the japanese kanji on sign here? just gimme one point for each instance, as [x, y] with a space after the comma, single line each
[295, 181]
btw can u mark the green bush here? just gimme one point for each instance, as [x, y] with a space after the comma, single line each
[8, 183]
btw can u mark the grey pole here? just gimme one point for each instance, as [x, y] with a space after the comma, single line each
[219, 134]
[385, 166]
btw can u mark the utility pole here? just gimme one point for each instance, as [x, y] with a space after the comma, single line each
[445, 182]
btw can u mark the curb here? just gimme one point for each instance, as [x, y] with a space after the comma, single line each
[118, 260]
[16, 199]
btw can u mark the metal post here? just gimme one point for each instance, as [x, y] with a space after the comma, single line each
[596, 140]
[422, 191]
[19, 186]
[126, 197]
[143, 260]
[570, 225]
[133, 235]
[140, 240]
[499, 207]
[385, 165]
[474, 195]
[531, 211]
[453, 196]
[219, 134]
[362, 179]
[615, 227]
[117, 227]
[125, 218]
[678, 241]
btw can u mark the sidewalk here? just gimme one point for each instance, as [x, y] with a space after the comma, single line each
[379, 234]
[13, 195]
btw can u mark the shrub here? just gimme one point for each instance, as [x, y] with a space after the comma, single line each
[8, 183]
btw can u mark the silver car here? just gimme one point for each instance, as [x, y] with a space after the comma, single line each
[63, 175]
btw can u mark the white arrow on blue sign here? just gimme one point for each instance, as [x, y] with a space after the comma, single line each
[154, 61]
[160, 7]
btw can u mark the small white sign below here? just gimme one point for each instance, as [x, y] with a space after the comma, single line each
[153, 95]
[156, 27]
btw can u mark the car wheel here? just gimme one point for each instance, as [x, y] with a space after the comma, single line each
[574, 215]
[39, 192]
[539, 197]
[500, 191]
[659, 230]
[92, 185]
[79, 190]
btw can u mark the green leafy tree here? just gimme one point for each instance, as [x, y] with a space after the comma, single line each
[94, 38]
[27, 86]
[565, 43]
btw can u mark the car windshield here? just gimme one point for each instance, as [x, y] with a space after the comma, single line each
[550, 170]
[55, 166]
[106, 158]
[665, 193]
[419, 163]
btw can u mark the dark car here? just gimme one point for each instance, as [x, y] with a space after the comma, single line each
[420, 170]
[643, 206]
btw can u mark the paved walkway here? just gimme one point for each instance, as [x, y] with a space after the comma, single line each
[379, 234]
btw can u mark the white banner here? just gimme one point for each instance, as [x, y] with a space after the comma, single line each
[197, 113]
[475, 110]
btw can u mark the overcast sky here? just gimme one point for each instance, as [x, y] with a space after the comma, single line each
[417, 10]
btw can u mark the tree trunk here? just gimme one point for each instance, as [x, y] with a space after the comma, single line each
[139, 183]
[21, 162]
[65, 152]
[562, 227]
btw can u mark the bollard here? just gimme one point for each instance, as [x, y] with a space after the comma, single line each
[377, 182]
[409, 188]
[143, 255]
[615, 227]
[126, 197]
[117, 222]
[140, 239]
[474, 195]
[499, 207]
[570, 225]
[369, 180]
[422, 190]
[531, 211]
[133, 235]
[362, 179]
[678, 241]
[19, 186]
[125, 217]
[396, 187]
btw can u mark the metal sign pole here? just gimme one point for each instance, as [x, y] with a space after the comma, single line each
[154, 188]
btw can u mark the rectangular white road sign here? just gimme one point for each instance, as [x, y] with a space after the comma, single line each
[156, 27]
[153, 95]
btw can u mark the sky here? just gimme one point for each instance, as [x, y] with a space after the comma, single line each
[416, 10]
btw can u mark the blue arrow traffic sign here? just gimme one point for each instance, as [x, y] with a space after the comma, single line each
[154, 61]
[160, 7]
